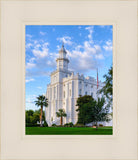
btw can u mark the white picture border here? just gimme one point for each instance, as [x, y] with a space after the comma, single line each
[14, 143]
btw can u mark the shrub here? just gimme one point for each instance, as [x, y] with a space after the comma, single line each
[79, 125]
[54, 125]
[60, 126]
[70, 124]
[66, 125]
[100, 125]
[45, 124]
[32, 125]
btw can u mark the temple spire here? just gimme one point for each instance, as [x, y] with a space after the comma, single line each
[62, 44]
[62, 60]
[62, 52]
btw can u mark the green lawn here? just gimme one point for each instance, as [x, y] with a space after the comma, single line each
[68, 131]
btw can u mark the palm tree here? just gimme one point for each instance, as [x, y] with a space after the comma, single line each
[61, 114]
[41, 101]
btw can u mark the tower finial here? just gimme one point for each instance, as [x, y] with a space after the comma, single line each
[63, 44]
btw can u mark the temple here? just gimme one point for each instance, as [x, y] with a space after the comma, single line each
[65, 88]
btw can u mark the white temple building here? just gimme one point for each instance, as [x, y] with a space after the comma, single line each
[65, 88]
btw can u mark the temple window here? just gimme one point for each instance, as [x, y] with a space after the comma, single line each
[80, 92]
[92, 94]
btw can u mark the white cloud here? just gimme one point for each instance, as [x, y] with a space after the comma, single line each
[84, 57]
[102, 26]
[31, 99]
[42, 33]
[41, 50]
[29, 36]
[78, 47]
[98, 48]
[42, 60]
[88, 48]
[38, 72]
[29, 80]
[66, 40]
[42, 66]
[108, 45]
[30, 65]
[58, 47]
[100, 56]
[39, 87]
[28, 45]
[90, 29]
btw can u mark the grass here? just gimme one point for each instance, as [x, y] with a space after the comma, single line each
[68, 131]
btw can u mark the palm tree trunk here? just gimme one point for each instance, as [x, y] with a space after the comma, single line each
[41, 116]
[61, 120]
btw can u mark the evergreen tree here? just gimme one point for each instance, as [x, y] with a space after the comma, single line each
[85, 104]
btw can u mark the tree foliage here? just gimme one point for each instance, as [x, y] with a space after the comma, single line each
[41, 101]
[85, 104]
[32, 117]
[107, 90]
[100, 112]
[89, 110]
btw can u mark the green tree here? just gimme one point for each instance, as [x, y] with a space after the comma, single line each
[100, 112]
[41, 101]
[35, 118]
[107, 90]
[85, 104]
[28, 116]
[90, 110]
[30, 112]
[61, 114]
[32, 117]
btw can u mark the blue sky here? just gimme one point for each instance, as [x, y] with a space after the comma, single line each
[88, 47]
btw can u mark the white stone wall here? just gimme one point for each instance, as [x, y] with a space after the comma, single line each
[63, 93]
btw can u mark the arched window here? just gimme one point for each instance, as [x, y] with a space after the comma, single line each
[80, 92]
